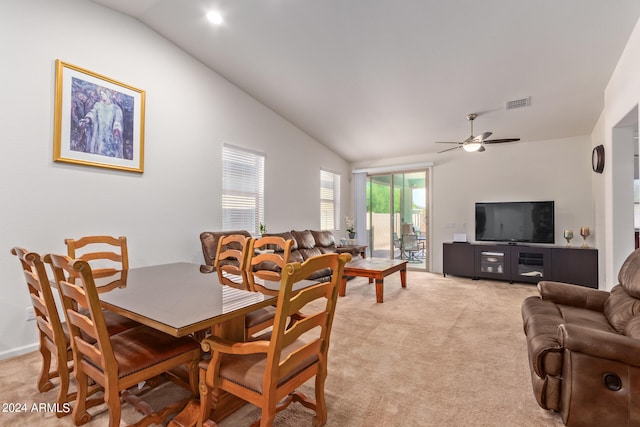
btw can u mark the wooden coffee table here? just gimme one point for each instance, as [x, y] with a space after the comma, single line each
[375, 269]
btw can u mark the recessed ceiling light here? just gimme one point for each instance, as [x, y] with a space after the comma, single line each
[214, 17]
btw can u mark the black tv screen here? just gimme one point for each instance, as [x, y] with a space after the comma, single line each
[526, 222]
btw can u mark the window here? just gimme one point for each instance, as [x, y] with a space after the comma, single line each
[242, 189]
[329, 200]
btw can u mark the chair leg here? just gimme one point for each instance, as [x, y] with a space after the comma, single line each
[112, 399]
[205, 400]
[321, 405]
[268, 416]
[269, 410]
[63, 393]
[80, 414]
[44, 381]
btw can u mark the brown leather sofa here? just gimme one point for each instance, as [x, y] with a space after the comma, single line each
[306, 244]
[584, 349]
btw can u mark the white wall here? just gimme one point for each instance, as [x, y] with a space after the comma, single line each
[556, 170]
[190, 112]
[622, 96]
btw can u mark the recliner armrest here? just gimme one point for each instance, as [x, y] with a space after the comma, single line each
[573, 295]
[601, 344]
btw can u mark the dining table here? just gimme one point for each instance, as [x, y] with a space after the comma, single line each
[180, 299]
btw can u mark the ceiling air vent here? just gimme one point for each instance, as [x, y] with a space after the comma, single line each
[518, 103]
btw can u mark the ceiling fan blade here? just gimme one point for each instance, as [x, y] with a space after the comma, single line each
[481, 137]
[500, 141]
[449, 149]
[481, 149]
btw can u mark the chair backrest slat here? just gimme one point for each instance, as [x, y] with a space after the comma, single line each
[230, 261]
[267, 257]
[48, 319]
[106, 255]
[102, 255]
[317, 323]
[83, 325]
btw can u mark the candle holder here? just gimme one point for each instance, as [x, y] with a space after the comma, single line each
[585, 232]
[568, 235]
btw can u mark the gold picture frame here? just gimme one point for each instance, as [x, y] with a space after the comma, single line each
[98, 121]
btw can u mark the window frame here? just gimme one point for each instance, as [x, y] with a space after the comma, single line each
[330, 197]
[242, 190]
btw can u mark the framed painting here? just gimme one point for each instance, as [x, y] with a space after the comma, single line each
[98, 121]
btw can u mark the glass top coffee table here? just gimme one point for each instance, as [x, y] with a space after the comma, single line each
[374, 269]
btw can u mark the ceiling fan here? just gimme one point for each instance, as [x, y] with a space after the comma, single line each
[475, 143]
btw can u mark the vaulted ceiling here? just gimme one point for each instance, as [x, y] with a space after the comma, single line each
[375, 79]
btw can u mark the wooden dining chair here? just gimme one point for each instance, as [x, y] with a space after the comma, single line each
[118, 362]
[106, 255]
[53, 340]
[230, 262]
[267, 371]
[266, 258]
[52, 331]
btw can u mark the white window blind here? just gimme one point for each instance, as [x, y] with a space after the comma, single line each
[242, 189]
[329, 200]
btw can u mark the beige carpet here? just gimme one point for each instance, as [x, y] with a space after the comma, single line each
[443, 352]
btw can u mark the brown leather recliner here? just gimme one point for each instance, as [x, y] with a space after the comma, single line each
[584, 349]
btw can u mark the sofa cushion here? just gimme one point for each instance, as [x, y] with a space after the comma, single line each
[620, 308]
[304, 238]
[324, 241]
[286, 236]
[632, 329]
[629, 275]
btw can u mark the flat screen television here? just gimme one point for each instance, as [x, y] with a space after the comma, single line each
[518, 222]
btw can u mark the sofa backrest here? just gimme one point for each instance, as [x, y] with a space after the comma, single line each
[295, 256]
[307, 244]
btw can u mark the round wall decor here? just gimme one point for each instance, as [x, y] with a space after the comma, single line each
[597, 158]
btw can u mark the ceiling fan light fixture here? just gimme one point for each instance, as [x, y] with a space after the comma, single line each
[476, 143]
[471, 146]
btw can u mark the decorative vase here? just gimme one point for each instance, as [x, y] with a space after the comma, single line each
[568, 235]
[584, 232]
[352, 235]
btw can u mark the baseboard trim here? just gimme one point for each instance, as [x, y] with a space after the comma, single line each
[18, 351]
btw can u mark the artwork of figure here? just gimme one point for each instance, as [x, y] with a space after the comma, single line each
[100, 121]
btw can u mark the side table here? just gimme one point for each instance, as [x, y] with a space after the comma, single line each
[353, 249]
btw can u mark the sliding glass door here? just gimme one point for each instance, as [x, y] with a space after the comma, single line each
[382, 207]
[397, 217]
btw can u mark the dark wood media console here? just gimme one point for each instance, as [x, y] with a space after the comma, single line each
[521, 263]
